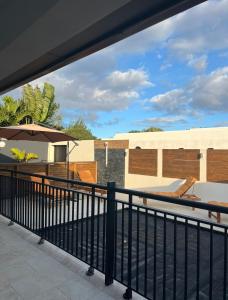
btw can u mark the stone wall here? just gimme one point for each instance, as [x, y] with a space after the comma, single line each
[115, 169]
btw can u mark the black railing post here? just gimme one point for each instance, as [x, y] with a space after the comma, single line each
[11, 208]
[110, 234]
[41, 241]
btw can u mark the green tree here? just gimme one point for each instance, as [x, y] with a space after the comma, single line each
[79, 130]
[150, 129]
[35, 106]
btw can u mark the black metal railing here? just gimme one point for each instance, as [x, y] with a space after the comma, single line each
[157, 253]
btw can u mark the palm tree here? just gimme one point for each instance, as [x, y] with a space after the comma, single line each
[40, 105]
[35, 106]
[11, 111]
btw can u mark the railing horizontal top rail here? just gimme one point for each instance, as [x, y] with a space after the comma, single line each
[129, 192]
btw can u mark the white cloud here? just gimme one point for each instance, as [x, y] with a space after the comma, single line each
[165, 66]
[162, 121]
[210, 92]
[129, 79]
[204, 93]
[194, 32]
[114, 91]
[171, 102]
[198, 63]
[200, 29]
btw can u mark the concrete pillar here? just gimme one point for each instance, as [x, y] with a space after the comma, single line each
[203, 165]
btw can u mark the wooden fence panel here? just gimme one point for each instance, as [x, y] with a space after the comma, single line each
[112, 144]
[180, 163]
[217, 165]
[143, 162]
[53, 169]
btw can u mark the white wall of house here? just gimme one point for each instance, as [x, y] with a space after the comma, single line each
[202, 138]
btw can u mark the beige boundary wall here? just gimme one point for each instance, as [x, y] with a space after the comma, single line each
[83, 151]
[202, 139]
[79, 151]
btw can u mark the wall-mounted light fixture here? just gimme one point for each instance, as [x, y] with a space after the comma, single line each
[2, 143]
[200, 155]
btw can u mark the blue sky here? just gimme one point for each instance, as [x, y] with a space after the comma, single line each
[173, 75]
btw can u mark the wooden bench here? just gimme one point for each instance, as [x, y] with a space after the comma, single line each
[181, 191]
[216, 215]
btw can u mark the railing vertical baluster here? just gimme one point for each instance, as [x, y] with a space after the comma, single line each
[122, 241]
[225, 265]
[90, 271]
[115, 240]
[72, 223]
[64, 227]
[98, 231]
[146, 246]
[198, 262]
[137, 251]
[164, 258]
[45, 210]
[82, 227]
[103, 238]
[110, 234]
[38, 205]
[55, 190]
[11, 199]
[26, 204]
[77, 224]
[41, 241]
[60, 218]
[128, 293]
[48, 207]
[68, 199]
[30, 205]
[175, 258]
[87, 226]
[1, 194]
[211, 263]
[23, 203]
[186, 262]
[155, 257]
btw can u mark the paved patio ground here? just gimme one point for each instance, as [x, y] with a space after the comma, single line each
[33, 272]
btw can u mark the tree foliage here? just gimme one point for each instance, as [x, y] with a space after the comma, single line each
[150, 129]
[11, 111]
[22, 155]
[80, 131]
[35, 106]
